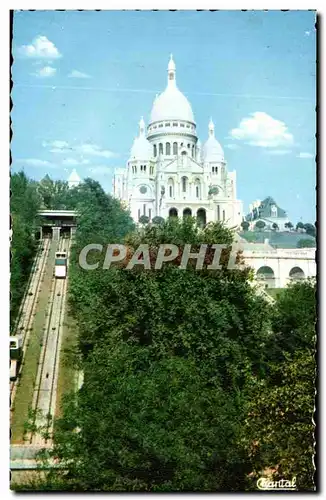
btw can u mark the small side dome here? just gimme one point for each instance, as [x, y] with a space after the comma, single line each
[74, 179]
[141, 148]
[212, 150]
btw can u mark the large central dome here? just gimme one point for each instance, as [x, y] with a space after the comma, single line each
[171, 104]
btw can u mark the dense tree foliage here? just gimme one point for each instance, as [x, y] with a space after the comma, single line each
[144, 219]
[167, 357]
[310, 229]
[281, 406]
[157, 220]
[192, 381]
[56, 195]
[305, 243]
[24, 205]
[260, 224]
[245, 225]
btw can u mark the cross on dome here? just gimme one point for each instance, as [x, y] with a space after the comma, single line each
[171, 71]
[141, 126]
[171, 65]
[211, 127]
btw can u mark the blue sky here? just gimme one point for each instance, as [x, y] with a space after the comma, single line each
[82, 80]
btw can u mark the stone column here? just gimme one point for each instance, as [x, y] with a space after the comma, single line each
[41, 233]
[72, 232]
[56, 233]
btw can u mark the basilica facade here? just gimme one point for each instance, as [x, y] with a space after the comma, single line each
[169, 173]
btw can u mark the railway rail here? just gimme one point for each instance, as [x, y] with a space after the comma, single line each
[27, 310]
[44, 398]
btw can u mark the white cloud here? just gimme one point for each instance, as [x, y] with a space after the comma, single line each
[78, 74]
[45, 72]
[94, 150]
[305, 155]
[71, 162]
[86, 149]
[40, 48]
[278, 152]
[100, 170]
[232, 146]
[35, 162]
[260, 129]
[56, 144]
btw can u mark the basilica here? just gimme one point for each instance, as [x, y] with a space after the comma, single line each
[169, 173]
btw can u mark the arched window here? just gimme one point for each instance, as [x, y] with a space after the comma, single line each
[155, 150]
[171, 187]
[168, 149]
[201, 217]
[265, 274]
[296, 274]
[175, 148]
[193, 151]
[135, 169]
[197, 188]
[184, 184]
[144, 168]
[213, 169]
[160, 148]
[188, 146]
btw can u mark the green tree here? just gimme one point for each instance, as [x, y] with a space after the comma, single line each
[275, 226]
[24, 205]
[299, 225]
[280, 423]
[288, 225]
[167, 356]
[260, 224]
[305, 243]
[56, 195]
[163, 428]
[281, 406]
[144, 219]
[245, 225]
[310, 229]
[158, 220]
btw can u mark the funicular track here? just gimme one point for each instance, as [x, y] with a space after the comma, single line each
[24, 322]
[44, 397]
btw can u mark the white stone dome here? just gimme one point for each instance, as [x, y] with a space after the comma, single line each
[141, 148]
[212, 150]
[171, 104]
